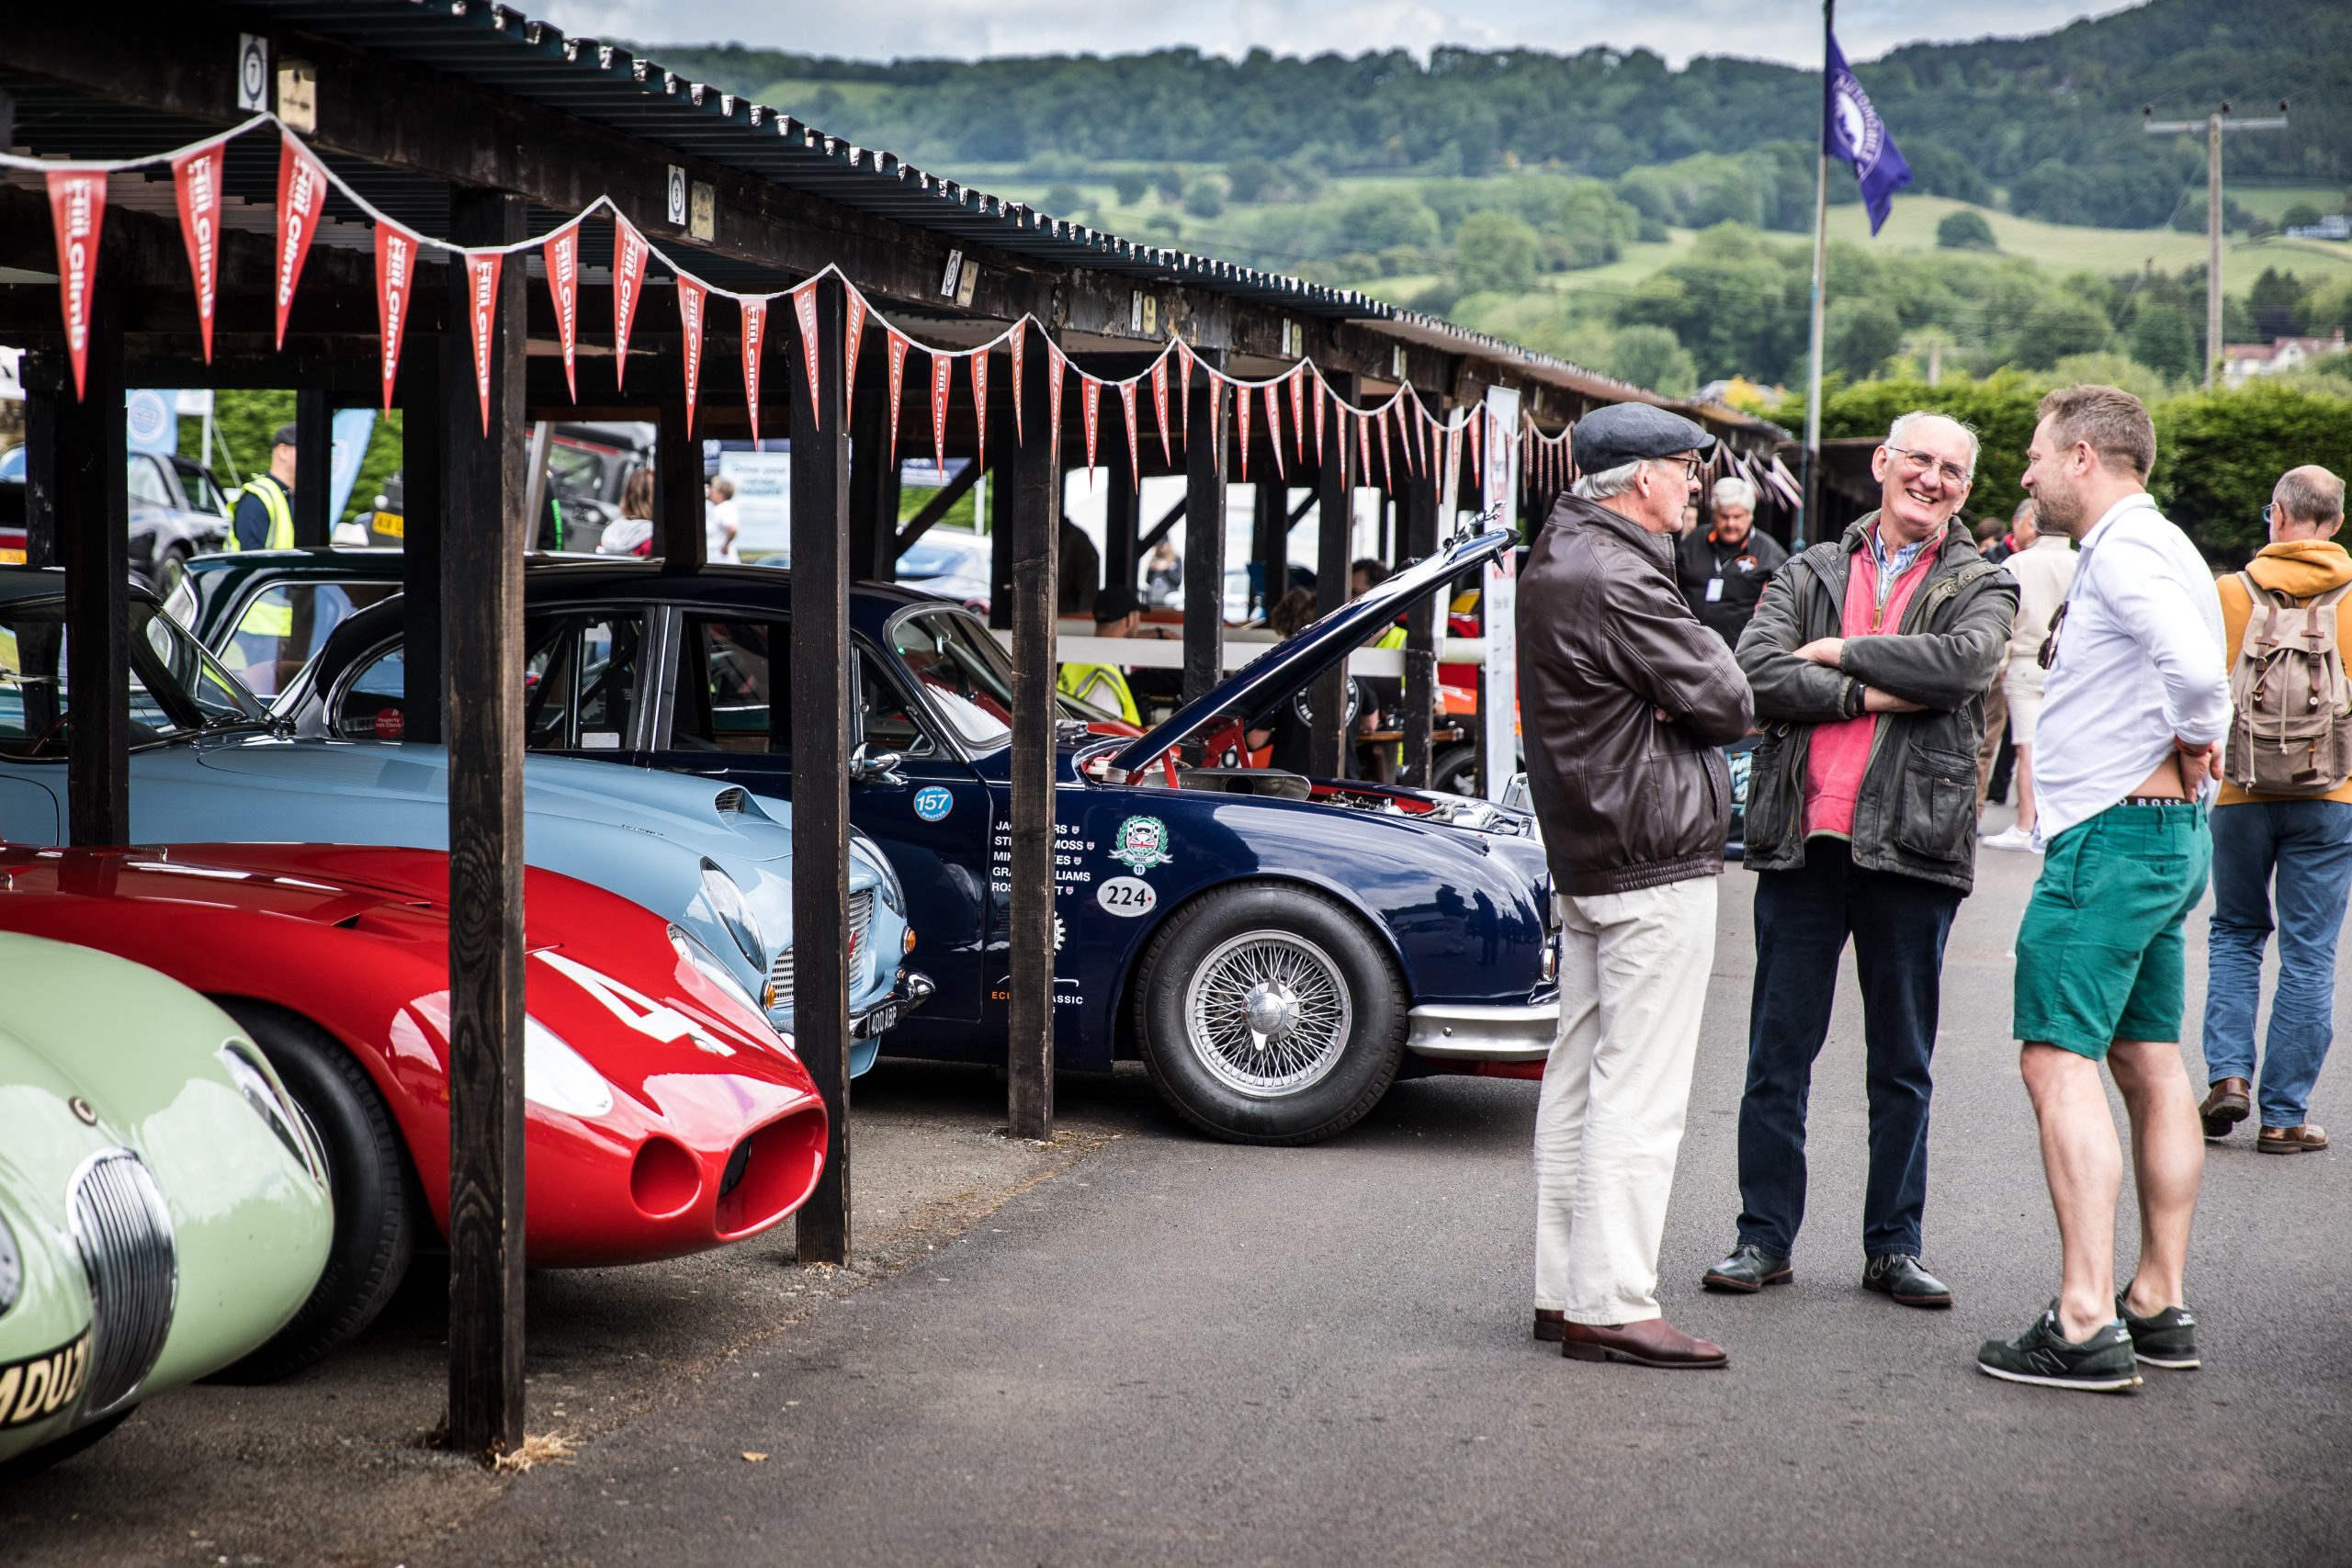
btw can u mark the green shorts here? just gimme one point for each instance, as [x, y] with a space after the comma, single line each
[2099, 952]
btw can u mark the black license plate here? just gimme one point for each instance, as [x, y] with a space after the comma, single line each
[881, 1021]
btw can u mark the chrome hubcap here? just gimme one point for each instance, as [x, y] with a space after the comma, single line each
[1267, 1013]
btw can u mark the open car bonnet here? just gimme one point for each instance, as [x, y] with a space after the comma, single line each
[1292, 663]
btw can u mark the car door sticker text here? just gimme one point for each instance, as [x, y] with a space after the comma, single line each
[1127, 896]
[1141, 843]
[933, 802]
[35, 1388]
[1070, 847]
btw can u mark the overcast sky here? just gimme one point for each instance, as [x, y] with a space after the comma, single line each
[880, 30]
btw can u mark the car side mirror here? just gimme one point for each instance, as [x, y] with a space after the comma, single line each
[879, 767]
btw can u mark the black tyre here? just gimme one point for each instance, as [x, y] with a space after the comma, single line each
[34, 1460]
[1269, 1014]
[170, 570]
[1455, 771]
[376, 1215]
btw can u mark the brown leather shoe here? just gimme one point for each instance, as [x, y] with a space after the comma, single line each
[2309, 1138]
[1550, 1325]
[1654, 1343]
[2227, 1104]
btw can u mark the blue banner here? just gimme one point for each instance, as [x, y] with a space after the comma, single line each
[352, 427]
[1852, 133]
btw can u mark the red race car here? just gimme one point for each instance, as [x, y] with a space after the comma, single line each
[663, 1115]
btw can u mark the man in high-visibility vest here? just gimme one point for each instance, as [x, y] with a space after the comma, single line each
[263, 520]
[1116, 614]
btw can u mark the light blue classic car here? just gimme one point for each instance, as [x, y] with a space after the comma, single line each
[208, 764]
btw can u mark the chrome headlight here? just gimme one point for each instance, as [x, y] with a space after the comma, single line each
[734, 911]
[707, 962]
[559, 1078]
[275, 1107]
[12, 1267]
[871, 852]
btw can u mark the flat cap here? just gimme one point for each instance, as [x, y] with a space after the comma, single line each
[1626, 433]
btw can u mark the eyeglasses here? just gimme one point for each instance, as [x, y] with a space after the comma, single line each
[1690, 466]
[2269, 513]
[2048, 653]
[1920, 462]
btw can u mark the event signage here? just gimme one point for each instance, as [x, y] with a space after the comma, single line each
[755, 330]
[1013, 340]
[804, 307]
[196, 179]
[898, 347]
[630, 251]
[395, 287]
[77, 208]
[1053, 399]
[1160, 406]
[563, 287]
[693, 296]
[1499, 603]
[1299, 415]
[481, 316]
[1321, 408]
[1128, 400]
[943, 382]
[1090, 401]
[980, 405]
[853, 332]
[301, 198]
[1184, 369]
[1240, 419]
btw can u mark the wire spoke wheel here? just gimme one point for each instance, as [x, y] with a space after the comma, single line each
[1267, 1013]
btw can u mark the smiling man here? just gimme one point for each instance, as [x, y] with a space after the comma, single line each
[1869, 656]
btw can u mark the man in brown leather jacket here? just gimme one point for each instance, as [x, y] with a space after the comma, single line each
[1624, 699]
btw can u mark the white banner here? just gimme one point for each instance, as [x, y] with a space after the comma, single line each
[1498, 690]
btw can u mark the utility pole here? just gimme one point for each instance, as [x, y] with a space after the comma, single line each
[2214, 125]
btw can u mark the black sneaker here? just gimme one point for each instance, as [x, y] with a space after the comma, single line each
[2101, 1364]
[2168, 1338]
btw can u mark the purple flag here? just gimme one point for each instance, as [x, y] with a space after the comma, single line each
[1852, 133]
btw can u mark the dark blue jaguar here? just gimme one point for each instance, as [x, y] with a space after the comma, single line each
[1277, 949]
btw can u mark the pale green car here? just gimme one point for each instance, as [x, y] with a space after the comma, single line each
[164, 1207]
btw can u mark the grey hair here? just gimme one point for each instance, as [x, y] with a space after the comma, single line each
[1609, 481]
[1899, 433]
[2028, 504]
[1734, 491]
[2310, 494]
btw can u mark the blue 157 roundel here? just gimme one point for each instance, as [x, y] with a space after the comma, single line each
[933, 802]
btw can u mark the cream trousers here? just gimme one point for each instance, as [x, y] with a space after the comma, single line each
[1633, 970]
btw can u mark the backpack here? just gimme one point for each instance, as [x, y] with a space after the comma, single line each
[2291, 732]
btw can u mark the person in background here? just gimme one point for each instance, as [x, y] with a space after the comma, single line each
[1723, 569]
[1163, 574]
[1116, 614]
[2044, 564]
[720, 522]
[2304, 842]
[1996, 758]
[263, 518]
[2137, 699]
[1383, 694]
[1869, 655]
[632, 532]
[1689, 523]
[1995, 543]
[1366, 574]
[1081, 571]
[1627, 702]
[1287, 728]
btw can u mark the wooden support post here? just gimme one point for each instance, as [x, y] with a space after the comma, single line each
[1036, 537]
[1000, 541]
[821, 714]
[481, 603]
[42, 376]
[1122, 504]
[425, 501]
[1269, 543]
[1328, 745]
[1420, 631]
[873, 489]
[1203, 540]
[313, 464]
[679, 494]
[93, 542]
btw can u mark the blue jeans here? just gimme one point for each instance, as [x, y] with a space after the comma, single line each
[2307, 844]
[1803, 918]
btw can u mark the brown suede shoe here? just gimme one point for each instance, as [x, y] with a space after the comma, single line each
[1550, 1325]
[1654, 1343]
[2309, 1138]
[2227, 1104]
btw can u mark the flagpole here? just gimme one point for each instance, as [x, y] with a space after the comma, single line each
[1806, 481]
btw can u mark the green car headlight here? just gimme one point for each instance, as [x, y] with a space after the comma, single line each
[12, 1267]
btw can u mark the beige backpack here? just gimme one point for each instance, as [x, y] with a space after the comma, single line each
[2291, 732]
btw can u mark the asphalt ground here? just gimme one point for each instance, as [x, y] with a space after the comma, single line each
[1185, 1353]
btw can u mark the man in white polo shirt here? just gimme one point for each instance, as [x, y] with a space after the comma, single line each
[2136, 698]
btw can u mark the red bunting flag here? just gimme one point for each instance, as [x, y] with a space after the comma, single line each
[1184, 359]
[629, 253]
[197, 177]
[804, 306]
[693, 296]
[1217, 414]
[1241, 417]
[853, 331]
[1363, 445]
[1299, 413]
[980, 404]
[1477, 427]
[481, 316]
[396, 251]
[1452, 480]
[1127, 397]
[77, 208]
[1053, 364]
[1387, 480]
[1322, 408]
[302, 196]
[562, 251]
[755, 332]
[898, 347]
[1014, 342]
[943, 386]
[1160, 406]
[1274, 429]
[1423, 424]
[1090, 400]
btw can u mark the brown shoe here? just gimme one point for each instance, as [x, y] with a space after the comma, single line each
[2309, 1138]
[2227, 1104]
[1654, 1343]
[1550, 1325]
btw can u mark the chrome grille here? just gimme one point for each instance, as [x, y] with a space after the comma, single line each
[861, 929]
[124, 1232]
[781, 977]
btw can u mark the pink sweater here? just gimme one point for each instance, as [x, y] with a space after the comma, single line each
[1839, 754]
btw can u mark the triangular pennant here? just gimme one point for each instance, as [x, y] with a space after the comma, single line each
[755, 332]
[853, 332]
[1160, 407]
[1217, 413]
[1090, 400]
[980, 405]
[1241, 418]
[1053, 362]
[943, 386]
[1127, 397]
[482, 318]
[1387, 480]
[1478, 426]
[898, 347]
[1014, 343]
[197, 177]
[77, 208]
[396, 251]
[1274, 431]
[1184, 359]
[1298, 414]
[693, 295]
[1322, 408]
[302, 196]
[629, 253]
[1423, 423]
[562, 251]
[804, 307]
[1452, 477]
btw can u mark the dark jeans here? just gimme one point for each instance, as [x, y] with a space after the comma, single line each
[1802, 919]
[2305, 845]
